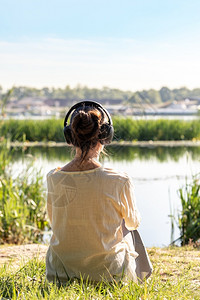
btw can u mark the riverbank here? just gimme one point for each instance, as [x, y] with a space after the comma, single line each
[176, 275]
[193, 143]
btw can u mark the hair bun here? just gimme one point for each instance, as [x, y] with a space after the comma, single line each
[86, 125]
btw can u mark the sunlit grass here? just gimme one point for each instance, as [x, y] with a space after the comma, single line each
[176, 276]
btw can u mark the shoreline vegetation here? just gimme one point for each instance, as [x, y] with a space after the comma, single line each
[175, 276]
[126, 130]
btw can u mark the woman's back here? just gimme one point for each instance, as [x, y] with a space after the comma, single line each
[86, 209]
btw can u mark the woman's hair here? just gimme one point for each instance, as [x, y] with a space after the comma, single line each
[85, 126]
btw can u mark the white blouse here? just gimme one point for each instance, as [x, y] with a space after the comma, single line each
[86, 209]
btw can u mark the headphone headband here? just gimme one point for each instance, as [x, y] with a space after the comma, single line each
[88, 103]
[106, 130]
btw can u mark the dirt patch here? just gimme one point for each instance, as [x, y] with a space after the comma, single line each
[16, 254]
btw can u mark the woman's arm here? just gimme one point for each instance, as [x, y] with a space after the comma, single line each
[130, 212]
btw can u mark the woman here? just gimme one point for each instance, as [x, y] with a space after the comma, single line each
[87, 205]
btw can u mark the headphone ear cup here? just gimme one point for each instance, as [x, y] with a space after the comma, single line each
[106, 134]
[68, 134]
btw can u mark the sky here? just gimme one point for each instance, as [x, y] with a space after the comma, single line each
[124, 44]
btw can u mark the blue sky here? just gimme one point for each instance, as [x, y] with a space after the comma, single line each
[127, 44]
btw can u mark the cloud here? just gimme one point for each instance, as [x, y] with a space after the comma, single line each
[119, 63]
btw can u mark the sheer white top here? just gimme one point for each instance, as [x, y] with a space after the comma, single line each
[86, 210]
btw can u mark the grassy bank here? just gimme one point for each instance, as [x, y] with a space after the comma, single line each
[176, 276]
[126, 129]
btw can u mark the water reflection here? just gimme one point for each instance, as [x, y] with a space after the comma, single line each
[161, 154]
[114, 153]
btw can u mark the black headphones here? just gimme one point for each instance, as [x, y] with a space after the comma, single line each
[106, 130]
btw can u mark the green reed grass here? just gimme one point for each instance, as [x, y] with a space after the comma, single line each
[189, 217]
[129, 129]
[22, 202]
[126, 129]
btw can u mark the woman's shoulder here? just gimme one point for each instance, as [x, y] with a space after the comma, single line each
[104, 172]
[53, 171]
[118, 174]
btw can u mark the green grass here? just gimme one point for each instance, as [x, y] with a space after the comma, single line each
[126, 129]
[176, 276]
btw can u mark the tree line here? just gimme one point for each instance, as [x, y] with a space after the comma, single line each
[79, 92]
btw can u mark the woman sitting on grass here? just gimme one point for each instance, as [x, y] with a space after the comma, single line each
[87, 205]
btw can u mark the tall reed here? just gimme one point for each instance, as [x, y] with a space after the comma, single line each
[22, 202]
[189, 218]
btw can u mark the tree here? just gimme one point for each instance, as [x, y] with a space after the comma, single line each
[166, 94]
[154, 96]
[4, 100]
